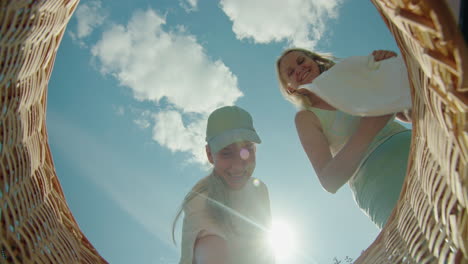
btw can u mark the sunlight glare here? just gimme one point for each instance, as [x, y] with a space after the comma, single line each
[282, 240]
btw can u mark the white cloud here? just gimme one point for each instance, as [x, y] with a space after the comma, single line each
[170, 65]
[142, 123]
[89, 16]
[300, 22]
[142, 120]
[189, 5]
[170, 131]
[156, 64]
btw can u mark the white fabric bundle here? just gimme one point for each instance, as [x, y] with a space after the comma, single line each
[361, 86]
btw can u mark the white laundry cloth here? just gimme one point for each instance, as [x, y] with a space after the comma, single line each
[361, 86]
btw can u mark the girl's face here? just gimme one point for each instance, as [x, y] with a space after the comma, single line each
[296, 69]
[234, 163]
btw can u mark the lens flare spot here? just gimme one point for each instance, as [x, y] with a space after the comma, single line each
[256, 182]
[283, 241]
[244, 154]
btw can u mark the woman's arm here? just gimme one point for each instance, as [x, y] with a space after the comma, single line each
[334, 172]
[210, 249]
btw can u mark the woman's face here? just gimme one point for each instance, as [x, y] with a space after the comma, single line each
[234, 163]
[296, 69]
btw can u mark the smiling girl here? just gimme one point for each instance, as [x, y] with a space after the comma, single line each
[227, 214]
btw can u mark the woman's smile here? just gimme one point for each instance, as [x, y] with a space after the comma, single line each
[303, 76]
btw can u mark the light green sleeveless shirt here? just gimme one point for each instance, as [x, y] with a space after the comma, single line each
[338, 127]
[376, 183]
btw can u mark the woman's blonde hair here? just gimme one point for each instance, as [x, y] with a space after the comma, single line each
[324, 61]
[213, 189]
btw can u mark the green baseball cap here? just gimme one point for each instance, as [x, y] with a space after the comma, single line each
[227, 125]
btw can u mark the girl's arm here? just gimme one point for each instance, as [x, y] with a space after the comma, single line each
[210, 249]
[334, 172]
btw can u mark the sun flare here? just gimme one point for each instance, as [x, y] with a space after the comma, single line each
[282, 240]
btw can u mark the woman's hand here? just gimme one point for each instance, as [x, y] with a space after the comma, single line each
[383, 54]
[314, 100]
[306, 93]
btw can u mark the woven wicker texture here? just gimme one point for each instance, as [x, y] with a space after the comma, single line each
[36, 223]
[430, 222]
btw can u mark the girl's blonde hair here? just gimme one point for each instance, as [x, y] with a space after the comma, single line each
[213, 189]
[324, 61]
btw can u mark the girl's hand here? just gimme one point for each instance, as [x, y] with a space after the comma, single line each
[383, 54]
[300, 91]
[307, 93]
[313, 99]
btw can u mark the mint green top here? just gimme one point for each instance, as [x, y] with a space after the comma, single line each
[376, 183]
[338, 127]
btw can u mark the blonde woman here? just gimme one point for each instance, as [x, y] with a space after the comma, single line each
[368, 153]
[227, 214]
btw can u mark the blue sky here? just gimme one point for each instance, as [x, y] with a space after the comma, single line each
[132, 85]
